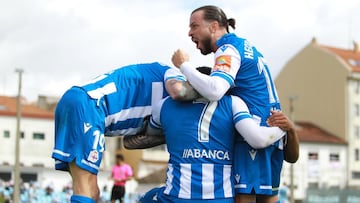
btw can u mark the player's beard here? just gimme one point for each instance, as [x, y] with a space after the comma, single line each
[206, 46]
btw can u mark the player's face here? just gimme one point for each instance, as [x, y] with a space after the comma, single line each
[200, 32]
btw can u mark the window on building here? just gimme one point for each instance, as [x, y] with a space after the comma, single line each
[6, 134]
[314, 167]
[22, 134]
[38, 165]
[313, 156]
[38, 136]
[356, 110]
[357, 155]
[28, 177]
[357, 86]
[334, 157]
[313, 185]
[357, 132]
[5, 176]
[355, 174]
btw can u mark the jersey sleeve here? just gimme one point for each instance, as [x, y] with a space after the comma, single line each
[173, 73]
[213, 87]
[227, 63]
[178, 87]
[255, 135]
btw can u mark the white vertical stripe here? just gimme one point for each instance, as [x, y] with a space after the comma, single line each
[185, 181]
[228, 189]
[208, 181]
[169, 179]
[156, 92]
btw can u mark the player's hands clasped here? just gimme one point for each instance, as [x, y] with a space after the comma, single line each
[179, 57]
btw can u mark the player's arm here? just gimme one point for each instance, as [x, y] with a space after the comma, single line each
[291, 150]
[210, 87]
[178, 87]
[255, 135]
[215, 86]
[181, 90]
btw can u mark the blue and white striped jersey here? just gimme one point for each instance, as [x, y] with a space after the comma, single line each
[200, 139]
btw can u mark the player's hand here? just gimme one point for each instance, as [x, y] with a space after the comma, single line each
[280, 120]
[179, 57]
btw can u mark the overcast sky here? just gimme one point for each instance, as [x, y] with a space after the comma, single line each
[60, 43]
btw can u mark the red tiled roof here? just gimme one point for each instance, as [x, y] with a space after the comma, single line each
[8, 108]
[350, 57]
[309, 132]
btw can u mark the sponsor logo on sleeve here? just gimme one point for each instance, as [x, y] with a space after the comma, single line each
[223, 63]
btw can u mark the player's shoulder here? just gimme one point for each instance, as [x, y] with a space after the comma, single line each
[226, 49]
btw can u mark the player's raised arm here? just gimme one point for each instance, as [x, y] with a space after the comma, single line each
[210, 87]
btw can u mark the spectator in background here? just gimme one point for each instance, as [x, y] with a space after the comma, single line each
[121, 172]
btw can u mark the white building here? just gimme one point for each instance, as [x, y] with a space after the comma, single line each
[323, 85]
[322, 162]
[36, 145]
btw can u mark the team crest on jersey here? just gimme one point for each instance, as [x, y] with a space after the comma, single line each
[223, 48]
[223, 63]
[93, 156]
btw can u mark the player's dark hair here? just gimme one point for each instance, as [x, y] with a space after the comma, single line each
[204, 70]
[215, 13]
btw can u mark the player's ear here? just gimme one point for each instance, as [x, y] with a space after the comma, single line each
[214, 26]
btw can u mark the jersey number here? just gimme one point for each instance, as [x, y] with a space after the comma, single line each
[205, 120]
[99, 141]
[262, 67]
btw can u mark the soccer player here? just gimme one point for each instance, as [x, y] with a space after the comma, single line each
[112, 104]
[200, 141]
[241, 70]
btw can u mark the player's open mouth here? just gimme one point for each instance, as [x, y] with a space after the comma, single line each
[196, 42]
